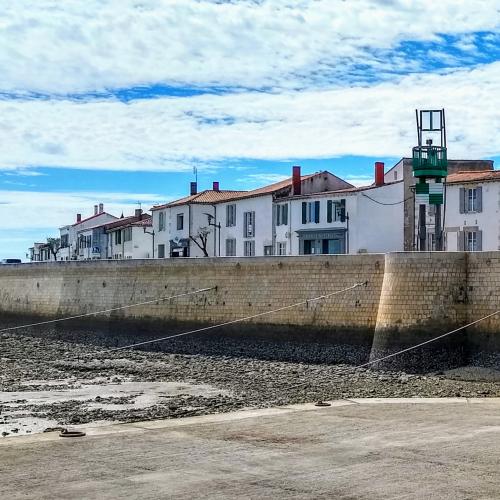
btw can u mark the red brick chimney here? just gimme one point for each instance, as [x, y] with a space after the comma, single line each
[215, 186]
[296, 181]
[78, 217]
[379, 173]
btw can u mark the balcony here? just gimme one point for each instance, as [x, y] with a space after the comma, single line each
[430, 161]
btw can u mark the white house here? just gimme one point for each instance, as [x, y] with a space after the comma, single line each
[83, 239]
[130, 237]
[355, 220]
[472, 216]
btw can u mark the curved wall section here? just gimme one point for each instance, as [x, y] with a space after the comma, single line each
[423, 295]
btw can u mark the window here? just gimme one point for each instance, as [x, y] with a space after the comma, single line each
[281, 247]
[161, 221]
[230, 247]
[161, 251]
[282, 214]
[335, 211]
[230, 215]
[472, 241]
[88, 241]
[471, 200]
[64, 241]
[249, 248]
[127, 234]
[249, 224]
[268, 250]
[310, 212]
[395, 175]
[118, 237]
[180, 221]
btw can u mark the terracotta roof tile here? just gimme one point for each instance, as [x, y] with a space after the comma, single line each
[473, 176]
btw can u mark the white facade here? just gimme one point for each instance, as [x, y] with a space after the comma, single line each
[472, 218]
[352, 221]
[130, 241]
[247, 227]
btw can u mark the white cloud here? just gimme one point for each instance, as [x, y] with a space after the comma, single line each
[28, 210]
[262, 179]
[56, 47]
[173, 133]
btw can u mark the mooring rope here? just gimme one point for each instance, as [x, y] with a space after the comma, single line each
[234, 321]
[416, 346]
[104, 311]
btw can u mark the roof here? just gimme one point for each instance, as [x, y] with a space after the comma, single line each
[473, 176]
[134, 220]
[210, 196]
[90, 218]
[352, 190]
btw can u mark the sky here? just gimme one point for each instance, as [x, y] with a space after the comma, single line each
[116, 101]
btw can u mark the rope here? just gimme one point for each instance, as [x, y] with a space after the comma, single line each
[234, 321]
[201, 290]
[383, 203]
[428, 341]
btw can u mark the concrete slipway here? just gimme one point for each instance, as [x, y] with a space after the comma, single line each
[364, 448]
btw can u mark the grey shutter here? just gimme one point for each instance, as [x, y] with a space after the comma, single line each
[461, 241]
[479, 240]
[304, 212]
[316, 212]
[462, 200]
[329, 207]
[245, 224]
[227, 218]
[285, 215]
[479, 199]
[253, 224]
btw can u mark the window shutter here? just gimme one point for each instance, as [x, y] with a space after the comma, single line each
[227, 218]
[462, 201]
[479, 199]
[329, 204]
[479, 240]
[285, 214]
[461, 240]
[278, 215]
[304, 212]
[253, 224]
[316, 212]
[245, 224]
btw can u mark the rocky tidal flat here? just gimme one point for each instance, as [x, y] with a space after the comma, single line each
[47, 383]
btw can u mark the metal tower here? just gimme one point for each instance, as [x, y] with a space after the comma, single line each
[430, 163]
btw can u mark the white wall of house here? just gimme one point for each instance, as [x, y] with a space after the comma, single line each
[378, 227]
[261, 240]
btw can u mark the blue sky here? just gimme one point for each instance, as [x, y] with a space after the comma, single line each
[117, 100]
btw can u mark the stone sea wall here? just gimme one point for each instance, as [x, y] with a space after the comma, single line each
[406, 298]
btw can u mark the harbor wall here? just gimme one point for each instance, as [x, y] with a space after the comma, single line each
[405, 298]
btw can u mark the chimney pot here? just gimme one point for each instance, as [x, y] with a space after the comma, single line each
[296, 181]
[379, 173]
[78, 217]
[215, 186]
[101, 208]
[95, 209]
[194, 189]
[138, 212]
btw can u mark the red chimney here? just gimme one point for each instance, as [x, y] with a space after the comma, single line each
[194, 189]
[78, 217]
[379, 173]
[215, 186]
[296, 181]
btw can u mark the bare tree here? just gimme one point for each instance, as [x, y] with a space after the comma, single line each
[201, 239]
[54, 245]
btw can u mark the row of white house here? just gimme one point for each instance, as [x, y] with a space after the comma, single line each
[303, 215]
